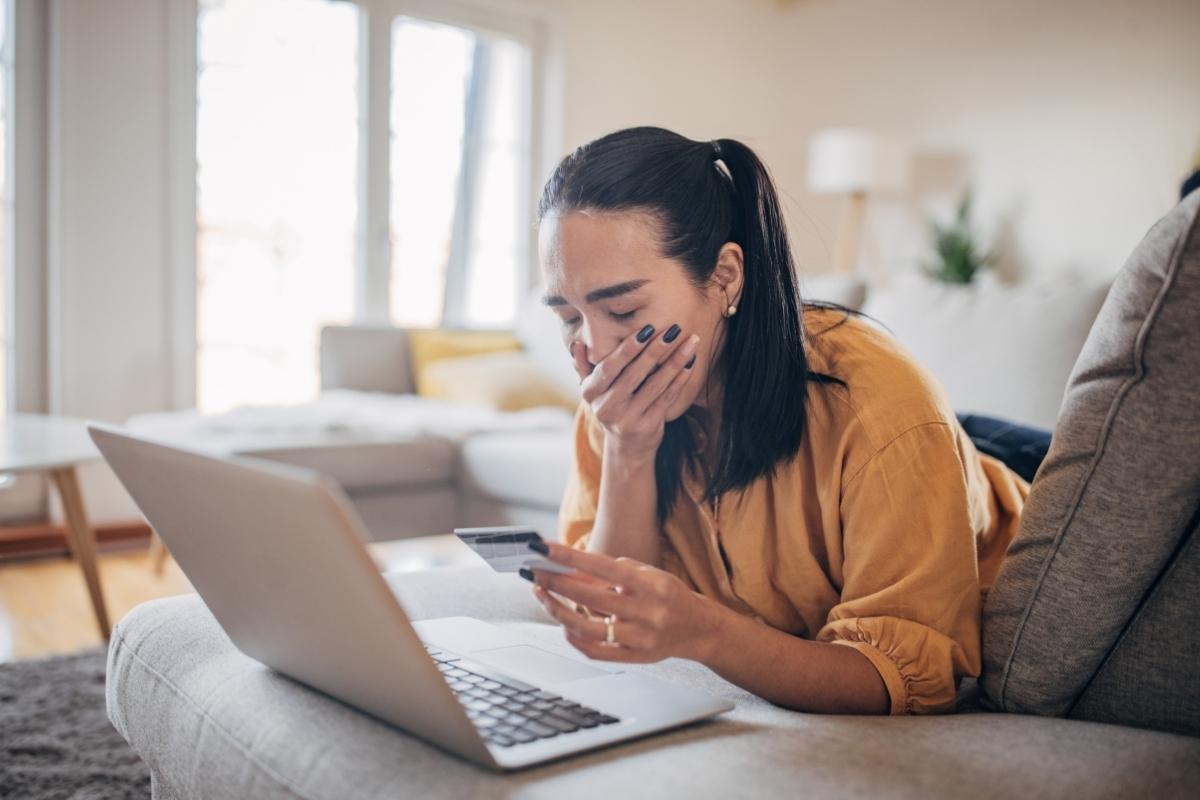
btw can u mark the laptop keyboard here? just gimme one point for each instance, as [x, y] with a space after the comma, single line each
[507, 711]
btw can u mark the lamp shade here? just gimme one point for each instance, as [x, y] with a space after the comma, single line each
[848, 161]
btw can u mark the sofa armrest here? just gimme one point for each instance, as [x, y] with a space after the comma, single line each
[366, 359]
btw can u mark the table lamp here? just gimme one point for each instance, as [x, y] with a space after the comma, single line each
[853, 163]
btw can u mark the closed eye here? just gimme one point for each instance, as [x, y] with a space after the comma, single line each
[619, 316]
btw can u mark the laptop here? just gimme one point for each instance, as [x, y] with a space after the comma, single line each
[277, 553]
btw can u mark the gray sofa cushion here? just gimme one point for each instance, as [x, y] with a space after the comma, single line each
[1154, 662]
[1111, 507]
[399, 465]
[528, 468]
[1002, 351]
[366, 359]
[212, 723]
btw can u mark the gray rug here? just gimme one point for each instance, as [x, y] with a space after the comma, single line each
[55, 737]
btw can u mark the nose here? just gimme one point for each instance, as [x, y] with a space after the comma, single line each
[596, 344]
[588, 342]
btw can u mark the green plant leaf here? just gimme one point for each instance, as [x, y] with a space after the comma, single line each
[957, 256]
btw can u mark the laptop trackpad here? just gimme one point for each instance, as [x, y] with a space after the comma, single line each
[536, 665]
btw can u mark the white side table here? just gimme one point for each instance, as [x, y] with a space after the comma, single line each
[55, 446]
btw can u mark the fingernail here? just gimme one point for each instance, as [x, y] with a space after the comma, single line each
[691, 363]
[645, 333]
[672, 334]
[540, 547]
[526, 573]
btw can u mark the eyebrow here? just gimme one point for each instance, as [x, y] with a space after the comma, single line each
[605, 293]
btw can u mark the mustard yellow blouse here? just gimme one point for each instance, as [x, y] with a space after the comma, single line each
[883, 534]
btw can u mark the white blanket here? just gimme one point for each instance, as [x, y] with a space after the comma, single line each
[339, 416]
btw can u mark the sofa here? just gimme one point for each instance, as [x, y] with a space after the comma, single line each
[212, 723]
[1091, 635]
[410, 466]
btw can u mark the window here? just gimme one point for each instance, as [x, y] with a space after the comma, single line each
[277, 163]
[459, 151]
[336, 184]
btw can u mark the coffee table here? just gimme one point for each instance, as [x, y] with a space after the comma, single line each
[56, 446]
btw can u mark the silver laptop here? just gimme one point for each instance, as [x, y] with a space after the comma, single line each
[277, 554]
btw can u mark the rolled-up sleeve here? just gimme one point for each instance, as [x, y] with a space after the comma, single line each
[581, 498]
[910, 599]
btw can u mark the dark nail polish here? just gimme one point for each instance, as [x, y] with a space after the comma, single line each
[672, 334]
[540, 547]
[645, 333]
[526, 573]
[691, 363]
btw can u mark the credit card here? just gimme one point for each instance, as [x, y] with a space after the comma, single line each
[506, 549]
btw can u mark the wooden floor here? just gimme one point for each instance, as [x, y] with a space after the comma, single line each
[44, 606]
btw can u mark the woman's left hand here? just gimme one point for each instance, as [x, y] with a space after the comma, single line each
[656, 615]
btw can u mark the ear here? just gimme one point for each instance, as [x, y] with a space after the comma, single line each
[728, 276]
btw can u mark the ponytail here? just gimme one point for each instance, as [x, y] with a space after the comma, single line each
[764, 341]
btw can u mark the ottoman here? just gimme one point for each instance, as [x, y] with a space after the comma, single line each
[212, 723]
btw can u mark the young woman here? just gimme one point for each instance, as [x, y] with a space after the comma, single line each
[775, 490]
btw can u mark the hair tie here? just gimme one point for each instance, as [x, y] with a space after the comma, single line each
[718, 161]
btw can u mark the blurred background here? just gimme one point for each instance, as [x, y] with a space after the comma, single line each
[193, 189]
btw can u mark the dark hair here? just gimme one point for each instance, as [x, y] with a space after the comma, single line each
[698, 207]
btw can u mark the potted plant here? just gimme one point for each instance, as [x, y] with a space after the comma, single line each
[957, 256]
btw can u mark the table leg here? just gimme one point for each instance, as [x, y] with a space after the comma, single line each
[82, 539]
[158, 553]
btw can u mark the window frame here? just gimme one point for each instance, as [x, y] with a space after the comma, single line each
[531, 26]
[526, 28]
[8, 51]
[27, 256]
[182, 297]
[29, 183]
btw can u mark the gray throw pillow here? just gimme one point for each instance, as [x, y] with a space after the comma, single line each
[1090, 574]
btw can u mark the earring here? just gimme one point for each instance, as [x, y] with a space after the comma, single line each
[730, 308]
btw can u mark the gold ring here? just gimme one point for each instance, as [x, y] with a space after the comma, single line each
[609, 637]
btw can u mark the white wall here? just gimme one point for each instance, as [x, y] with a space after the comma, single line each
[108, 222]
[1074, 120]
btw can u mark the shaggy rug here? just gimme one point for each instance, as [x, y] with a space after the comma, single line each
[55, 737]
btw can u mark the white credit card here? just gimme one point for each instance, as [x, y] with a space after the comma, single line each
[506, 549]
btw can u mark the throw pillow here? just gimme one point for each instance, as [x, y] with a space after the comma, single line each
[998, 350]
[504, 381]
[1102, 557]
[432, 345]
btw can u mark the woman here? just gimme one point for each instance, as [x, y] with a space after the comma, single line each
[776, 491]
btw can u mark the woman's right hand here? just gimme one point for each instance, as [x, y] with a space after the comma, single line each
[628, 395]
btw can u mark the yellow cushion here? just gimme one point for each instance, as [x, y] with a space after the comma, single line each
[430, 346]
[505, 381]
